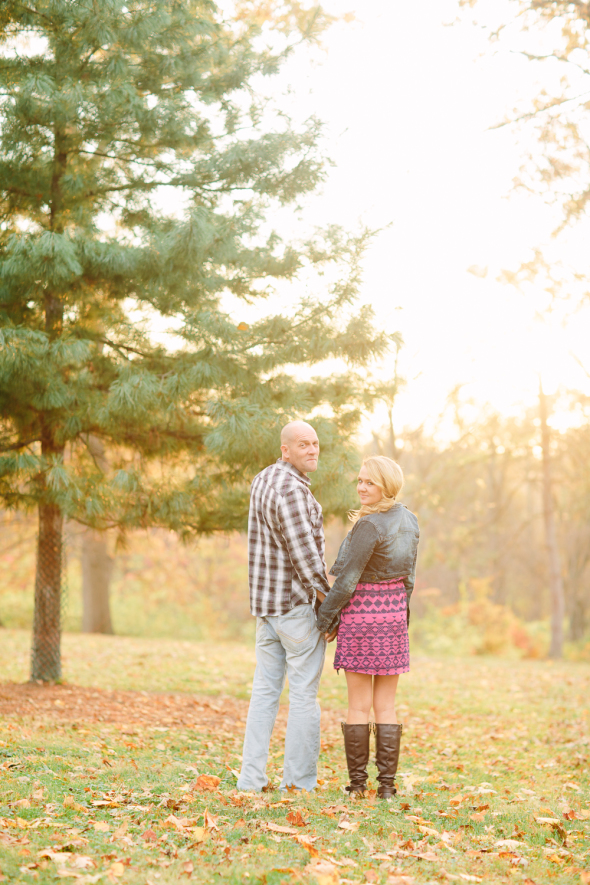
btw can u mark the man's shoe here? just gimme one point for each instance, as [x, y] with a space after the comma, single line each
[356, 746]
[387, 739]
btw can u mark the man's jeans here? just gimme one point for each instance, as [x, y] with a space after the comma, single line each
[286, 645]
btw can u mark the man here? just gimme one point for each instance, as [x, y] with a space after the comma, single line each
[287, 573]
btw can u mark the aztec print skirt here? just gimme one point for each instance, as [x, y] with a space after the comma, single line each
[373, 633]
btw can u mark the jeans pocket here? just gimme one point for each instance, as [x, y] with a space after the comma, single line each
[296, 629]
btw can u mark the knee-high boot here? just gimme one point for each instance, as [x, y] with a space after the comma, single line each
[387, 739]
[356, 746]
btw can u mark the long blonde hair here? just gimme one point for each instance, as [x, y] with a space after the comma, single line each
[389, 477]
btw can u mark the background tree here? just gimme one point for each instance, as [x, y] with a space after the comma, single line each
[138, 171]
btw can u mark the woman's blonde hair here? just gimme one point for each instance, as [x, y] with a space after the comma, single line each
[389, 477]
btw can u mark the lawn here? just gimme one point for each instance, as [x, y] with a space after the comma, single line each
[126, 773]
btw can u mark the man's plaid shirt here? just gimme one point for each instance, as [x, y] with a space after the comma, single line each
[285, 541]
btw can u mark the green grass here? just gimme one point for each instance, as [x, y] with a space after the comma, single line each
[490, 746]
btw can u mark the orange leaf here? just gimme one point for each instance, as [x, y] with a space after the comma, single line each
[149, 836]
[296, 818]
[243, 327]
[206, 783]
[209, 822]
[188, 868]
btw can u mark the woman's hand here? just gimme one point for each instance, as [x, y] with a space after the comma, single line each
[330, 637]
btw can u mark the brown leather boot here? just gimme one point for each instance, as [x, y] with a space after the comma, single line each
[387, 739]
[356, 746]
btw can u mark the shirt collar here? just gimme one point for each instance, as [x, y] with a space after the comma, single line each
[286, 465]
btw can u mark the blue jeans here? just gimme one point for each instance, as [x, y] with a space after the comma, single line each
[286, 645]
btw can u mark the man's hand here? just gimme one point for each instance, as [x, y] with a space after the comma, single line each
[330, 637]
[321, 596]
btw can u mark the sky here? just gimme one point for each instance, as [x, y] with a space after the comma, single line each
[408, 101]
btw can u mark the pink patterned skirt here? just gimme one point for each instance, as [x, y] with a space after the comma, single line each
[373, 633]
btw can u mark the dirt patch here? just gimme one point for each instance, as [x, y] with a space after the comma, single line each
[75, 704]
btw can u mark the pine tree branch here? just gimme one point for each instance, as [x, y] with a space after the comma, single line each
[36, 12]
[22, 444]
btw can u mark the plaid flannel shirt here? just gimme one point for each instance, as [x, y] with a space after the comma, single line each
[285, 541]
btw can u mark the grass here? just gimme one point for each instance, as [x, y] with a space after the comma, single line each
[493, 782]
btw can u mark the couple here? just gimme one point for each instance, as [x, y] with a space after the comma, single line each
[297, 613]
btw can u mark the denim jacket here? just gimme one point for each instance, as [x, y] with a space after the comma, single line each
[379, 548]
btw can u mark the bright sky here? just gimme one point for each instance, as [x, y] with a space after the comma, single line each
[407, 101]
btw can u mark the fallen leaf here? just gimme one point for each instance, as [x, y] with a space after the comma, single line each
[507, 843]
[277, 828]
[116, 870]
[120, 831]
[70, 802]
[149, 836]
[209, 821]
[206, 783]
[198, 835]
[188, 868]
[428, 831]
[82, 862]
[347, 825]
[547, 820]
[323, 871]
[296, 818]
[101, 826]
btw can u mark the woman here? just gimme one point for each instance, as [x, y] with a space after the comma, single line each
[368, 608]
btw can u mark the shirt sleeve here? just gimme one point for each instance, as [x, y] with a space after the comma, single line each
[297, 530]
[362, 544]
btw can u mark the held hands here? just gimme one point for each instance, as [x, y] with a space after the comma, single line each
[330, 637]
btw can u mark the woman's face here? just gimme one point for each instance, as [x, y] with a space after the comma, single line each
[369, 493]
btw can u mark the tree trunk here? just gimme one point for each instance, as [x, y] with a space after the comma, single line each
[97, 567]
[555, 575]
[46, 652]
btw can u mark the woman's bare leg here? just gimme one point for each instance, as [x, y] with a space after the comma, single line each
[360, 697]
[384, 689]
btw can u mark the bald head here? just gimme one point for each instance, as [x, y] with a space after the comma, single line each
[300, 446]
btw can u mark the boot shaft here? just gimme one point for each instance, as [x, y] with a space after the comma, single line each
[356, 747]
[387, 740]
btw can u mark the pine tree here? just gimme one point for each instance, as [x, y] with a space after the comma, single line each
[139, 173]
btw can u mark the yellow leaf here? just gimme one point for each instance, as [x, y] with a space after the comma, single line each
[116, 870]
[101, 826]
[428, 831]
[324, 872]
[199, 834]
